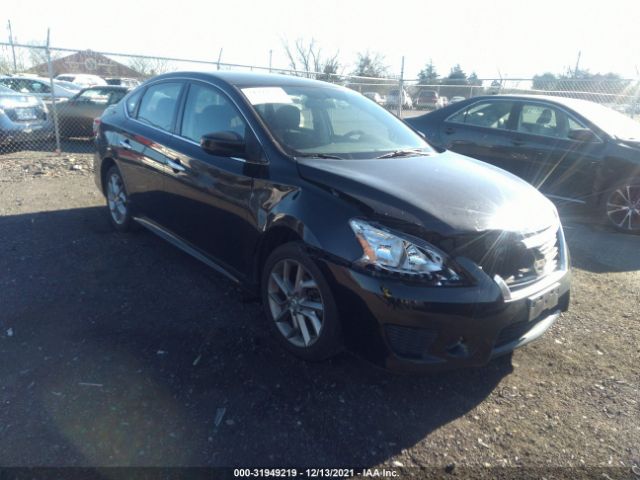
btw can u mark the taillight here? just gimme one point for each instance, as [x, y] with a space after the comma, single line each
[96, 126]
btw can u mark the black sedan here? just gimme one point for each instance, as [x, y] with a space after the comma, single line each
[351, 228]
[76, 115]
[571, 150]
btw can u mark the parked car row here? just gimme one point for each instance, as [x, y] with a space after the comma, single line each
[40, 86]
[424, 100]
[64, 86]
[25, 117]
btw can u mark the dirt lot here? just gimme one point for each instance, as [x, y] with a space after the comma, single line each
[121, 350]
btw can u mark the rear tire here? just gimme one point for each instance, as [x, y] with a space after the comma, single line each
[621, 206]
[118, 205]
[299, 304]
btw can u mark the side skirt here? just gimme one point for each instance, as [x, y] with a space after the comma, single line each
[185, 247]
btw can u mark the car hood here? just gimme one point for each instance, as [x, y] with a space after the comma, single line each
[629, 142]
[445, 193]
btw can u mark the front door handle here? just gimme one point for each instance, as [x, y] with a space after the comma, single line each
[175, 165]
[125, 144]
[449, 130]
[518, 141]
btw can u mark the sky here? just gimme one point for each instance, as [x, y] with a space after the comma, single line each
[500, 38]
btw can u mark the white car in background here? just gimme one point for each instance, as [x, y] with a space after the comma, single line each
[83, 79]
[38, 86]
[391, 101]
[376, 97]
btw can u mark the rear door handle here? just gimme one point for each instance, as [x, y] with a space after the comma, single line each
[175, 165]
[125, 144]
[518, 141]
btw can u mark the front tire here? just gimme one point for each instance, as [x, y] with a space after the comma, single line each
[118, 201]
[621, 206]
[299, 304]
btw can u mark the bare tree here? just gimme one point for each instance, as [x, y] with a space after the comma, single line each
[38, 55]
[371, 65]
[307, 59]
[148, 67]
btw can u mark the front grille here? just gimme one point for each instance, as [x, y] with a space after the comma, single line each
[542, 257]
[410, 342]
[519, 259]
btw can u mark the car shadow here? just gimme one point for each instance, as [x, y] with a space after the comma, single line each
[595, 246]
[125, 351]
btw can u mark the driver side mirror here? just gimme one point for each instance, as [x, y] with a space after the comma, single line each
[582, 135]
[224, 144]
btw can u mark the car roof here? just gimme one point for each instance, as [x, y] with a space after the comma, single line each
[106, 87]
[565, 101]
[249, 79]
[26, 77]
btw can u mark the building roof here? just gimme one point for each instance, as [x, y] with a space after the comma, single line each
[87, 62]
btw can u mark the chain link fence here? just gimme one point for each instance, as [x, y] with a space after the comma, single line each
[49, 96]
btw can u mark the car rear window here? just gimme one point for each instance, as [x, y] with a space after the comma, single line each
[158, 105]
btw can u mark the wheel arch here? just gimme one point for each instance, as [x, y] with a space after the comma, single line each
[105, 165]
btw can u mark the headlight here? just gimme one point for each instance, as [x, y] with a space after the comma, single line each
[393, 253]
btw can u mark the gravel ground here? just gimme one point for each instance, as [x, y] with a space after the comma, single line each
[121, 350]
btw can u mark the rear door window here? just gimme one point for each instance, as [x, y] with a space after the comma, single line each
[132, 102]
[546, 120]
[488, 114]
[158, 105]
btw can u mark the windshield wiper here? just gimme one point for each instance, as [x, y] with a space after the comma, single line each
[404, 153]
[320, 155]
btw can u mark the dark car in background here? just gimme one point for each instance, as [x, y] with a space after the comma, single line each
[349, 226]
[23, 118]
[427, 99]
[571, 150]
[76, 116]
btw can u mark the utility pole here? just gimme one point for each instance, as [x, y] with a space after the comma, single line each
[401, 92]
[270, 59]
[219, 58]
[575, 72]
[13, 48]
[54, 107]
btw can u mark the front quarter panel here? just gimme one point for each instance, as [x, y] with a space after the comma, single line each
[319, 217]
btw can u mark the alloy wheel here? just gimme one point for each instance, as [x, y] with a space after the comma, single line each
[623, 207]
[295, 303]
[117, 199]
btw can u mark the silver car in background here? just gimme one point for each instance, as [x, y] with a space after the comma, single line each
[23, 118]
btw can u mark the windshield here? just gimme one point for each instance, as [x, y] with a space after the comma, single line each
[614, 123]
[327, 121]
